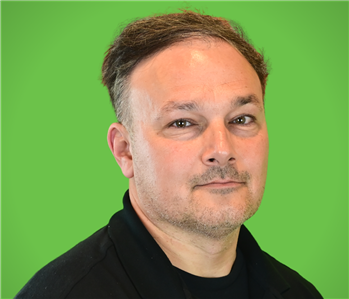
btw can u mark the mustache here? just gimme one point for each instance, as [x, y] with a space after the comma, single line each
[217, 172]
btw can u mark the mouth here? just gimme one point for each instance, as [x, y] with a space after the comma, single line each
[219, 184]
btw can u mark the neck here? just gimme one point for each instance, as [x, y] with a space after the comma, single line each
[196, 254]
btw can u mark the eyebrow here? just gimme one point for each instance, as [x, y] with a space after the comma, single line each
[250, 99]
[187, 106]
[192, 105]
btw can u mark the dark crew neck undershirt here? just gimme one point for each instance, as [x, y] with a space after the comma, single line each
[234, 285]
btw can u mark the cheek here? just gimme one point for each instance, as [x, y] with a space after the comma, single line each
[255, 162]
[166, 159]
[172, 167]
[255, 156]
[175, 158]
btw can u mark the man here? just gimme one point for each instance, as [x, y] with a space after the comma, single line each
[188, 91]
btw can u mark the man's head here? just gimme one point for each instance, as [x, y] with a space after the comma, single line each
[145, 37]
[197, 155]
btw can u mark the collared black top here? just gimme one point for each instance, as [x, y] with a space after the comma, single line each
[122, 260]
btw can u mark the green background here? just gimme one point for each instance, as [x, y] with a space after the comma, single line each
[60, 183]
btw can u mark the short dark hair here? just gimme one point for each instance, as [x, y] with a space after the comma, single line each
[145, 37]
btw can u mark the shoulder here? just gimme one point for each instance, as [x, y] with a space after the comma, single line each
[59, 277]
[299, 287]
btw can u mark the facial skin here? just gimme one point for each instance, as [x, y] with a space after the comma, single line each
[197, 157]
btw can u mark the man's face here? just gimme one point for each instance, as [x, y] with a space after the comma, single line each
[200, 142]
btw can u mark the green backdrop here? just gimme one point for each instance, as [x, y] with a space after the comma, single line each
[60, 182]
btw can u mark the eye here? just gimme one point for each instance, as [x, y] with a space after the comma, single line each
[181, 123]
[243, 120]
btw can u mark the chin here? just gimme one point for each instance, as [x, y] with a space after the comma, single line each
[214, 221]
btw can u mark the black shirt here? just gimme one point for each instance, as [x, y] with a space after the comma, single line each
[122, 260]
[232, 286]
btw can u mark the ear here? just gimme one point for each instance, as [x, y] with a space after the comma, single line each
[119, 144]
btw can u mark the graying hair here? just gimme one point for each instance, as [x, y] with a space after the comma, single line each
[145, 37]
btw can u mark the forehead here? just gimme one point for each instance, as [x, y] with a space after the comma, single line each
[193, 70]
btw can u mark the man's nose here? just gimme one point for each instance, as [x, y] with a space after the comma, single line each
[218, 147]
